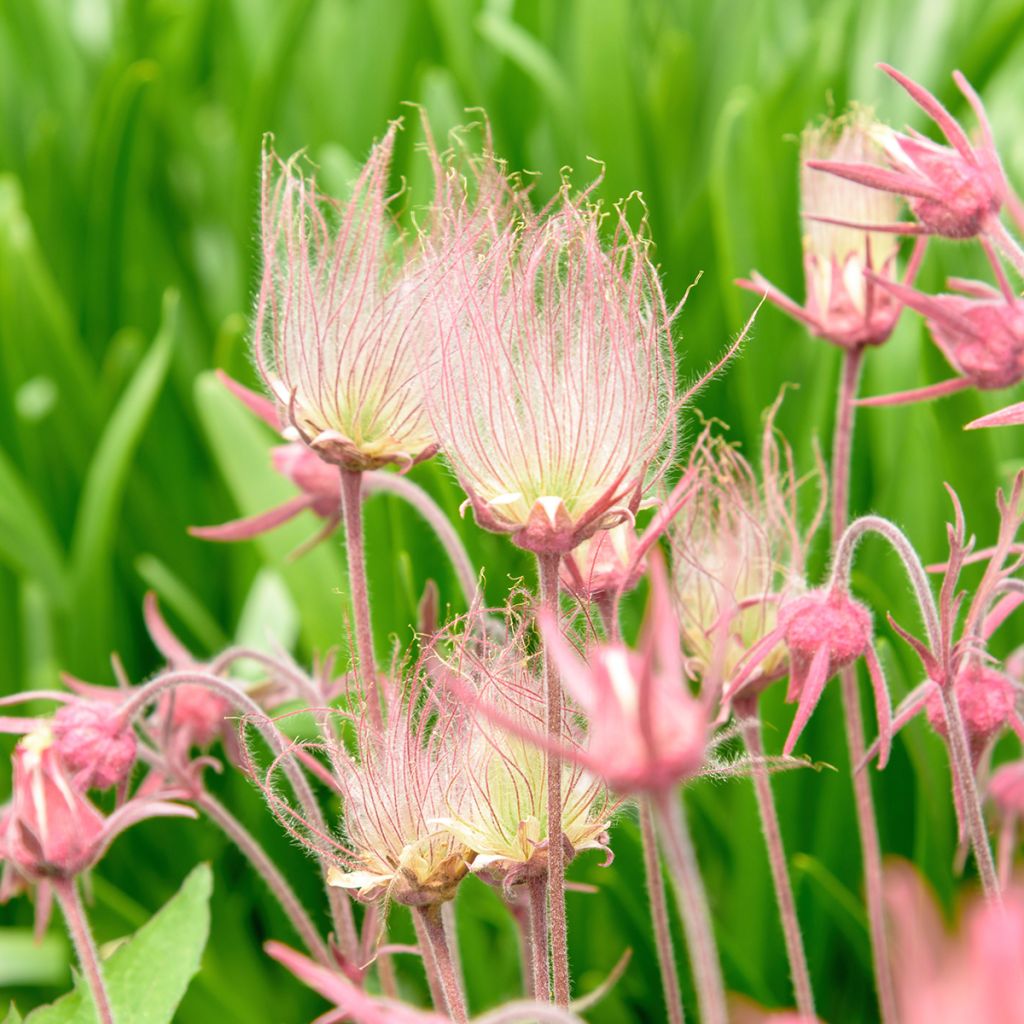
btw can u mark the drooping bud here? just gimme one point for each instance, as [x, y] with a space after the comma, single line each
[95, 744]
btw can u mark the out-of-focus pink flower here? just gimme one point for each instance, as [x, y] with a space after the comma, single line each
[95, 743]
[824, 631]
[339, 321]
[976, 974]
[1010, 416]
[739, 555]
[555, 393]
[646, 730]
[955, 190]
[842, 306]
[1006, 788]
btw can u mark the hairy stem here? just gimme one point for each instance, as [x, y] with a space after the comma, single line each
[659, 916]
[867, 824]
[352, 513]
[547, 566]
[434, 932]
[437, 991]
[967, 790]
[537, 911]
[276, 882]
[693, 907]
[66, 890]
[780, 872]
[1006, 244]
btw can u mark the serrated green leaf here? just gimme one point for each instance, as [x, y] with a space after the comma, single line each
[147, 977]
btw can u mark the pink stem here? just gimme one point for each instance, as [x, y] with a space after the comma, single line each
[866, 821]
[434, 932]
[540, 969]
[547, 565]
[780, 872]
[352, 511]
[1006, 243]
[437, 992]
[433, 515]
[967, 793]
[1007, 844]
[78, 927]
[277, 883]
[693, 906]
[659, 916]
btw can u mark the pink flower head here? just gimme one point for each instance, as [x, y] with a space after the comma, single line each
[824, 631]
[976, 974]
[339, 322]
[646, 730]
[95, 743]
[842, 306]
[988, 702]
[738, 554]
[503, 817]
[954, 190]
[555, 393]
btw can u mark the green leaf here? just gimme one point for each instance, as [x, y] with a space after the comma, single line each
[23, 961]
[841, 904]
[148, 975]
[13, 1017]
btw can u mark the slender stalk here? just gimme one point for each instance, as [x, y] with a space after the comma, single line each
[780, 872]
[1007, 844]
[693, 906]
[659, 916]
[437, 992]
[66, 890]
[433, 930]
[276, 882]
[451, 934]
[1006, 243]
[867, 823]
[537, 917]
[970, 804]
[547, 566]
[352, 512]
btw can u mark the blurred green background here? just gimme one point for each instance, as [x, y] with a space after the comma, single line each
[129, 150]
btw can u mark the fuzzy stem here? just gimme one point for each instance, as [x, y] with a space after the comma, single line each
[352, 513]
[437, 992]
[867, 824]
[537, 938]
[451, 933]
[1007, 844]
[276, 882]
[434, 932]
[1006, 243]
[967, 791]
[780, 872]
[693, 906]
[547, 566]
[433, 514]
[659, 916]
[66, 890]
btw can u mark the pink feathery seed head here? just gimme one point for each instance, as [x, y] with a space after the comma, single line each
[739, 554]
[555, 396]
[340, 318]
[954, 190]
[988, 703]
[51, 827]
[646, 730]
[503, 817]
[97, 746]
[841, 306]
[975, 973]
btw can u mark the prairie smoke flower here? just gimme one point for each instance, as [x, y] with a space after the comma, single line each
[96, 745]
[976, 974]
[338, 323]
[555, 391]
[503, 818]
[955, 190]
[738, 554]
[841, 305]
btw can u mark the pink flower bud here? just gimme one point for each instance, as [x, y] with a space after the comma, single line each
[1006, 788]
[315, 478]
[196, 714]
[51, 829]
[605, 564]
[94, 743]
[988, 704]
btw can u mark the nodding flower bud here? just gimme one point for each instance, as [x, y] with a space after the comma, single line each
[841, 305]
[95, 743]
[51, 829]
[193, 714]
[605, 564]
[955, 190]
[988, 703]
[554, 396]
[339, 319]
